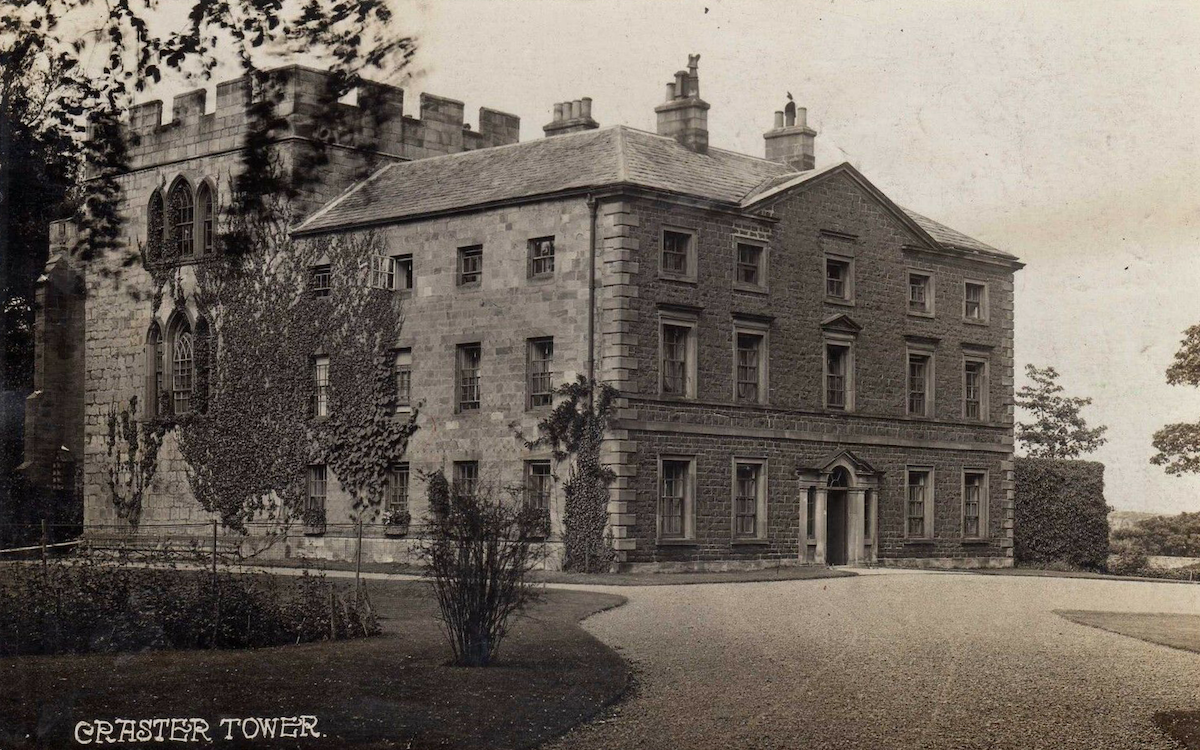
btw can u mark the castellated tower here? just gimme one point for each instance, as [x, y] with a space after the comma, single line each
[182, 171]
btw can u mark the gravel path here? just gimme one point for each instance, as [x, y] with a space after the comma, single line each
[902, 660]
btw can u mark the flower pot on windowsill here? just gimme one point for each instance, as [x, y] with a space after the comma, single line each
[395, 523]
[314, 521]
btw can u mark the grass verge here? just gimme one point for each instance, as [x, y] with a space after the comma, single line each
[394, 690]
[1181, 726]
[1166, 629]
[782, 573]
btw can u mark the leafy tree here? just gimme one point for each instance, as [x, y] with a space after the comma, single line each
[1163, 535]
[1178, 445]
[1058, 430]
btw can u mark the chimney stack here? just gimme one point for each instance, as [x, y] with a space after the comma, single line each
[571, 117]
[791, 140]
[684, 115]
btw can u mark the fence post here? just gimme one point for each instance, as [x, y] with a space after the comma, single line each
[216, 592]
[358, 559]
[45, 562]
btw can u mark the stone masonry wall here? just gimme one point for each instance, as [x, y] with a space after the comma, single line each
[793, 429]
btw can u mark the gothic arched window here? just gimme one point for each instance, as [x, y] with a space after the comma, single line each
[154, 228]
[204, 217]
[182, 367]
[182, 215]
[154, 370]
[203, 356]
[839, 477]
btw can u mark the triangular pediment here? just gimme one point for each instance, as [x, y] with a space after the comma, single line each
[802, 181]
[860, 467]
[840, 323]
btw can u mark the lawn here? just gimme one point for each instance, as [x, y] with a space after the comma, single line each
[1174, 630]
[780, 573]
[393, 690]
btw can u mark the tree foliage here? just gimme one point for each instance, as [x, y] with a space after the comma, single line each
[1058, 429]
[1178, 444]
[1061, 517]
[1163, 535]
[574, 431]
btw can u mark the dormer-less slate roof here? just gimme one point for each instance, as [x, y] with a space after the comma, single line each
[590, 159]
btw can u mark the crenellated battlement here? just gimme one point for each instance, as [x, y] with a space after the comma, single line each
[377, 122]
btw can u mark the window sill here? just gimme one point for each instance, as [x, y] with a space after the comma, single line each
[542, 409]
[839, 301]
[918, 314]
[677, 543]
[678, 279]
[751, 289]
[975, 321]
[541, 278]
[976, 540]
[395, 532]
[673, 397]
[469, 286]
[314, 529]
[750, 542]
[928, 540]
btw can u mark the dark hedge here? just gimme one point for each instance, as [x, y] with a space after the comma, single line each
[1061, 516]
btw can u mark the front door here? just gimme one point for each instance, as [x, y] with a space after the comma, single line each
[835, 528]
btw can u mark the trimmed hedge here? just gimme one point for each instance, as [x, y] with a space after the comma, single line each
[1061, 516]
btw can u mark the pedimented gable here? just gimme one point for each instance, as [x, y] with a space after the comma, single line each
[841, 324]
[767, 195]
[862, 469]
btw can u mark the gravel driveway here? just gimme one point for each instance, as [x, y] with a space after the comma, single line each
[893, 660]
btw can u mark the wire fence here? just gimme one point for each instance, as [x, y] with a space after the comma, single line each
[195, 542]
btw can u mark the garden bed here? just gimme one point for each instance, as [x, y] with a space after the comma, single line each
[394, 690]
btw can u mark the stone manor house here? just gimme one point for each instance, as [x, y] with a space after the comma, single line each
[807, 371]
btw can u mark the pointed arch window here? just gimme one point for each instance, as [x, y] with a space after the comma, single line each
[204, 210]
[202, 351]
[154, 370]
[154, 227]
[182, 215]
[182, 368]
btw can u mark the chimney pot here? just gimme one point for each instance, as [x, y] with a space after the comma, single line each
[586, 106]
[576, 110]
[684, 115]
[779, 119]
[802, 117]
[571, 117]
[558, 112]
[791, 141]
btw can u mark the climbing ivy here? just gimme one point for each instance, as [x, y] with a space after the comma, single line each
[132, 449]
[253, 433]
[574, 431]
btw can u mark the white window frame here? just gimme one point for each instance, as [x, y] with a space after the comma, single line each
[930, 295]
[531, 244]
[983, 503]
[398, 489]
[760, 500]
[529, 475]
[688, 523]
[985, 302]
[398, 364]
[321, 386]
[762, 285]
[846, 342]
[381, 273]
[985, 387]
[403, 281]
[690, 273]
[929, 354]
[762, 330]
[689, 322]
[531, 346]
[929, 499]
[847, 260]
[459, 354]
[460, 270]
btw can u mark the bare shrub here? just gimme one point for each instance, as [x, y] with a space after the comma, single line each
[483, 544]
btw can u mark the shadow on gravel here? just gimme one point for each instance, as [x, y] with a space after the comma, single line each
[1181, 726]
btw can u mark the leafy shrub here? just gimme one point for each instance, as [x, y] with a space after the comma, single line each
[1177, 536]
[94, 605]
[1061, 515]
[479, 555]
[1128, 562]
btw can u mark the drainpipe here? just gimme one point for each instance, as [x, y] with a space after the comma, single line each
[593, 206]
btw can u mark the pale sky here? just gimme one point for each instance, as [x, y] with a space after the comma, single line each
[1063, 132]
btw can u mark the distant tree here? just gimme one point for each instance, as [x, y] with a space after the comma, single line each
[1058, 430]
[1178, 445]
[1163, 535]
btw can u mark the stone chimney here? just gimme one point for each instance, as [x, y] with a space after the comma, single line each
[684, 115]
[571, 117]
[791, 140]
